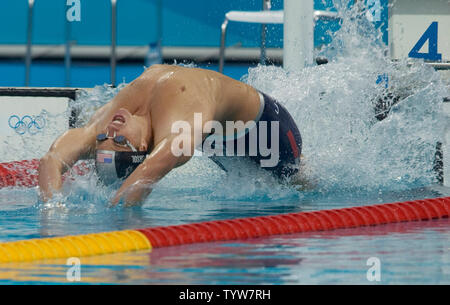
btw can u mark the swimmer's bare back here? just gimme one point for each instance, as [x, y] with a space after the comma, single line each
[227, 98]
[166, 91]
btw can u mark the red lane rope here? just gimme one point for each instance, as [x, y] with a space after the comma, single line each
[24, 173]
[243, 228]
[19, 173]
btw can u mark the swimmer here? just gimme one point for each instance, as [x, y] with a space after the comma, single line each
[132, 140]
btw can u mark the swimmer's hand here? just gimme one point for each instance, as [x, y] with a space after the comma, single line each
[133, 195]
[302, 183]
[303, 179]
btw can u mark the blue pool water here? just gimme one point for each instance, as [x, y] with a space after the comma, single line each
[350, 158]
[410, 253]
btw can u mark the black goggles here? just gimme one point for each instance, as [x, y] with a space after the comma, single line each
[120, 140]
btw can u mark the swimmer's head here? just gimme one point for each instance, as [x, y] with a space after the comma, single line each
[135, 128]
[112, 166]
[122, 146]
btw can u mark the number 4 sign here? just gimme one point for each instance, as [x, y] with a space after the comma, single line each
[430, 35]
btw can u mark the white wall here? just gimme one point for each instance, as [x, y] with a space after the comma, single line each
[409, 19]
[33, 142]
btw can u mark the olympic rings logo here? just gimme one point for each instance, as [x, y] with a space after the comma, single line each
[32, 124]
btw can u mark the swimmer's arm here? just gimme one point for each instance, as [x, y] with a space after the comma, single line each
[74, 144]
[158, 164]
[168, 133]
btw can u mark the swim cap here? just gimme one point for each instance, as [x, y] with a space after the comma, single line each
[113, 165]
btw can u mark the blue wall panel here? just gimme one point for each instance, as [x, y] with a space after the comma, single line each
[184, 23]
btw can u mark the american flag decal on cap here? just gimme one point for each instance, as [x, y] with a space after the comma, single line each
[104, 158]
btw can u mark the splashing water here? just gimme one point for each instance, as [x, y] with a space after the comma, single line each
[345, 148]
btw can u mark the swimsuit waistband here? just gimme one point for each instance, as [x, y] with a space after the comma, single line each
[261, 107]
[262, 102]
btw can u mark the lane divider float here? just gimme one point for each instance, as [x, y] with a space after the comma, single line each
[25, 173]
[222, 230]
[73, 246]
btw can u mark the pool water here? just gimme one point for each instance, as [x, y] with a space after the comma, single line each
[416, 253]
[409, 253]
[350, 158]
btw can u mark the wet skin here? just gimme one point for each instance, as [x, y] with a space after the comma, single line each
[144, 112]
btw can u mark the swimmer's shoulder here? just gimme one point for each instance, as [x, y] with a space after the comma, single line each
[158, 67]
[180, 73]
